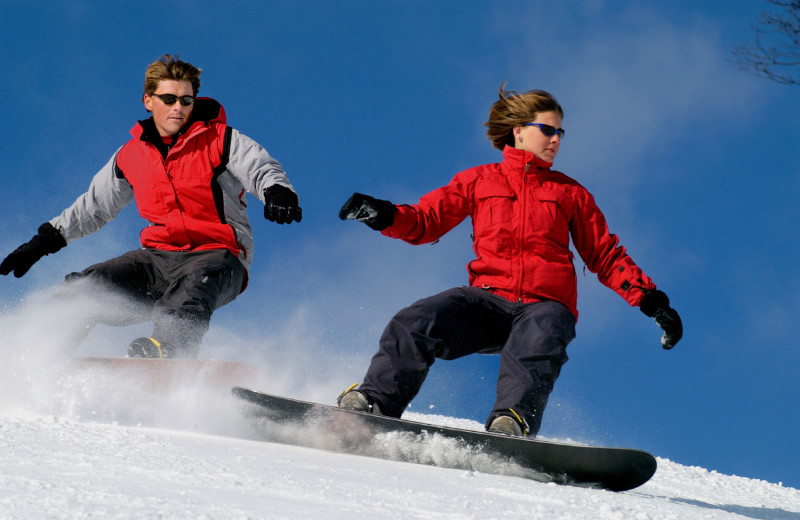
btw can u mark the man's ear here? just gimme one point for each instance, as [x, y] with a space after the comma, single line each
[148, 102]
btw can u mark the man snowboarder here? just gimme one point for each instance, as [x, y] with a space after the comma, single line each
[188, 172]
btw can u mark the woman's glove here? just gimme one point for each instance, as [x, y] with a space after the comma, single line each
[377, 214]
[655, 304]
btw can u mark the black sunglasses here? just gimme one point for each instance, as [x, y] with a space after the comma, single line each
[548, 130]
[170, 99]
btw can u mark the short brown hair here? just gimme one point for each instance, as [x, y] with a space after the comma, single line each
[170, 67]
[515, 109]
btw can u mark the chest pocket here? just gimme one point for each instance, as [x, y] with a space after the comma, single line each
[551, 215]
[494, 204]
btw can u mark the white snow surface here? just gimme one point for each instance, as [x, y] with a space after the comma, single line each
[101, 447]
[94, 443]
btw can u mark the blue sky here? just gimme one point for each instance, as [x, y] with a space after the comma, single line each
[693, 161]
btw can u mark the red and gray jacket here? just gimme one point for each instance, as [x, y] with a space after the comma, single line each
[192, 191]
[523, 215]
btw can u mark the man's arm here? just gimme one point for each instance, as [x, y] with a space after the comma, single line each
[263, 176]
[107, 195]
[105, 198]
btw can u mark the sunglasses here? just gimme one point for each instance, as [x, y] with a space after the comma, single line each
[170, 99]
[548, 130]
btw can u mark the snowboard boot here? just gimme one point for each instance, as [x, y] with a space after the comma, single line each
[352, 399]
[507, 425]
[147, 348]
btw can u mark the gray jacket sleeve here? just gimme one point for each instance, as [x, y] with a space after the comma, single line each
[106, 197]
[253, 165]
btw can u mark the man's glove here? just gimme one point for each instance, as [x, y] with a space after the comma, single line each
[377, 214]
[281, 205]
[48, 240]
[655, 304]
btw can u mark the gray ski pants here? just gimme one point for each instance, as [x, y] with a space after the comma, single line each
[531, 339]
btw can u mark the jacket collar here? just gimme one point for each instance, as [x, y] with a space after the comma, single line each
[206, 110]
[515, 160]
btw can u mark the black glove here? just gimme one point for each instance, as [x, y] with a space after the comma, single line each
[49, 240]
[281, 205]
[655, 304]
[377, 214]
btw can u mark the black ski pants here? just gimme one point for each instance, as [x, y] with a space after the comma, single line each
[177, 290]
[531, 339]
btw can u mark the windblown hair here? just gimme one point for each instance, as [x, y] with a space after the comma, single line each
[170, 67]
[515, 109]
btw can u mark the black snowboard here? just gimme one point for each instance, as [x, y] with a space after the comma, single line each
[309, 424]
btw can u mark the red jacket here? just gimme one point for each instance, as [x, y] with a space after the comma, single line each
[523, 215]
[176, 193]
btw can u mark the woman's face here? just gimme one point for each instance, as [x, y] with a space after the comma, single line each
[531, 139]
[169, 119]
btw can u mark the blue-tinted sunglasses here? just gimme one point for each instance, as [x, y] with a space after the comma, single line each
[548, 130]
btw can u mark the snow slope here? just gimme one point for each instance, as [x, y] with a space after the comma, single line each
[102, 447]
[94, 443]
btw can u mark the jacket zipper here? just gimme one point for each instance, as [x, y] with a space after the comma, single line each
[521, 237]
[181, 212]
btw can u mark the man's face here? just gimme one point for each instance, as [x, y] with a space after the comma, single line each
[169, 118]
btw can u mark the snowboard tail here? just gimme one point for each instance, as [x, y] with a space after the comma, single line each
[164, 374]
[336, 429]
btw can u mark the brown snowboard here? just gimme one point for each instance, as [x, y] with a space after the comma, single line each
[165, 373]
